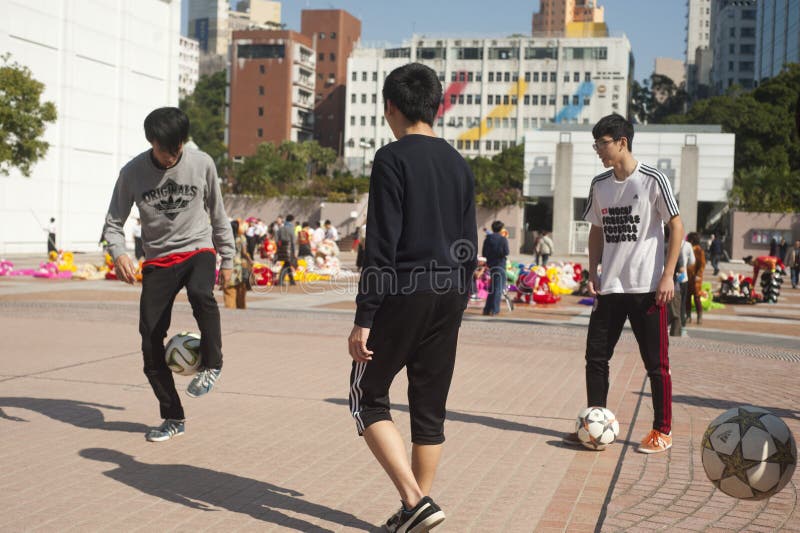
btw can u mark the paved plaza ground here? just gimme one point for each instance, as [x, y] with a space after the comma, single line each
[273, 448]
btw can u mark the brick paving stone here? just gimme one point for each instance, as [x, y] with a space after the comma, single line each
[271, 451]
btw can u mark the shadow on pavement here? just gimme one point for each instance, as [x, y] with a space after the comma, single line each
[204, 489]
[724, 405]
[80, 414]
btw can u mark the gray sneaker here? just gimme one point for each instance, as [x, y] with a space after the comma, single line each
[203, 382]
[168, 429]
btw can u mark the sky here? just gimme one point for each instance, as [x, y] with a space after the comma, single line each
[654, 27]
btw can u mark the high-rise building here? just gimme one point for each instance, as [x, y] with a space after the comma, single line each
[335, 33]
[188, 65]
[494, 89]
[777, 36]
[105, 65]
[733, 43]
[698, 37]
[569, 18]
[212, 22]
[271, 95]
[672, 69]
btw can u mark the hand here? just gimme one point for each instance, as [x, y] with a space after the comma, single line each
[224, 277]
[357, 344]
[123, 267]
[594, 284]
[665, 291]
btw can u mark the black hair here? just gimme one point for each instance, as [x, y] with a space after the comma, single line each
[168, 126]
[52, 219]
[235, 227]
[327, 222]
[415, 90]
[497, 226]
[305, 225]
[616, 127]
[289, 218]
[693, 238]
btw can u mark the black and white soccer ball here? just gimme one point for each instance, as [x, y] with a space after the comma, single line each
[183, 353]
[597, 427]
[749, 453]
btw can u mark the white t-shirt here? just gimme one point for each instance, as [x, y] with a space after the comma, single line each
[632, 214]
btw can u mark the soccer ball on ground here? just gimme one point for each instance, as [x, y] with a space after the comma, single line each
[749, 453]
[597, 427]
[183, 353]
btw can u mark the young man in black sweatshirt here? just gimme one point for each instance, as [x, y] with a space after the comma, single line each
[420, 255]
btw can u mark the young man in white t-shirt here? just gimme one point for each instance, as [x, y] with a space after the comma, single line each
[628, 207]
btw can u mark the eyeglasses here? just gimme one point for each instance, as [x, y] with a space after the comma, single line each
[602, 144]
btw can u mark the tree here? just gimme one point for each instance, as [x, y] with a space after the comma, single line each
[767, 153]
[498, 181]
[23, 117]
[655, 99]
[205, 108]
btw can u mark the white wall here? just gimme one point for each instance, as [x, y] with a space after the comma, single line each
[105, 64]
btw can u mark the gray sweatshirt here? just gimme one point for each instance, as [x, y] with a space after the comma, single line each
[181, 208]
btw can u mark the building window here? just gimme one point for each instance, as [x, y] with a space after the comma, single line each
[374, 98]
[333, 35]
[587, 76]
[478, 99]
[372, 120]
[375, 76]
[469, 76]
[575, 99]
[364, 98]
[363, 120]
[260, 132]
[553, 77]
[565, 100]
[490, 99]
[478, 76]
[460, 98]
[497, 145]
[552, 100]
[576, 76]
[332, 56]
[453, 76]
[260, 111]
[514, 122]
[527, 76]
[731, 48]
[586, 101]
[262, 69]
[526, 99]
[730, 66]
[261, 90]
[321, 35]
[535, 99]
[733, 32]
[566, 76]
[383, 120]
[525, 123]
[491, 76]
[513, 99]
[452, 99]
[505, 99]
[505, 122]
[352, 120]
[460, 144]
[506, 76]
[321, 56]
[354, 77]
[364, 76]
[535, 76]
[469, 99]
[353, 98]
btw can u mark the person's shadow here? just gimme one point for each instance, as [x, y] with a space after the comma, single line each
[492, 422]
[204, 489]
[80, 414]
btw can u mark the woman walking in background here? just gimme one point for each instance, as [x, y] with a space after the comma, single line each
[695, 272]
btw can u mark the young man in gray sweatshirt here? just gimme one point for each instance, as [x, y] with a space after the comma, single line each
[184, 226]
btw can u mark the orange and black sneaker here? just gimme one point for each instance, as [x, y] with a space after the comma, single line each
[656, 442]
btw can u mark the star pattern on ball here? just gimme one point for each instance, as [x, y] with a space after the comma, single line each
[736, 464]
[747, 419]
[783, 455]
[706, 442]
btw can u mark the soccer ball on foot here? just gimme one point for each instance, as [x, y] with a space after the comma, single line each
[749, 453]
[183, 353]
[597, 427]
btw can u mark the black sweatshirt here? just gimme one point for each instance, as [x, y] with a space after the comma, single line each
[421, 227]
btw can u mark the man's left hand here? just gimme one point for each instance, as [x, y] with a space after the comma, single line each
[224, 277]
[357, 344]
[665, 291]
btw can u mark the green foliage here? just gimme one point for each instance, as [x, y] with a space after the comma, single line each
[22, 118]
[205, 108]
[766, 189]
[655, 99]
[293, 169]
[767, 160]
[498, 181]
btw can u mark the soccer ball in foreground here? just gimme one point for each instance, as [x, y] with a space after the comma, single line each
[183, 353]
[749, 453]
[597, 427]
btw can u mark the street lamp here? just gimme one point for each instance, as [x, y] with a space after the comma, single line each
[364, 145]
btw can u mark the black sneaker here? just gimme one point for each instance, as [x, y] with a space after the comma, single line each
[422, 518]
